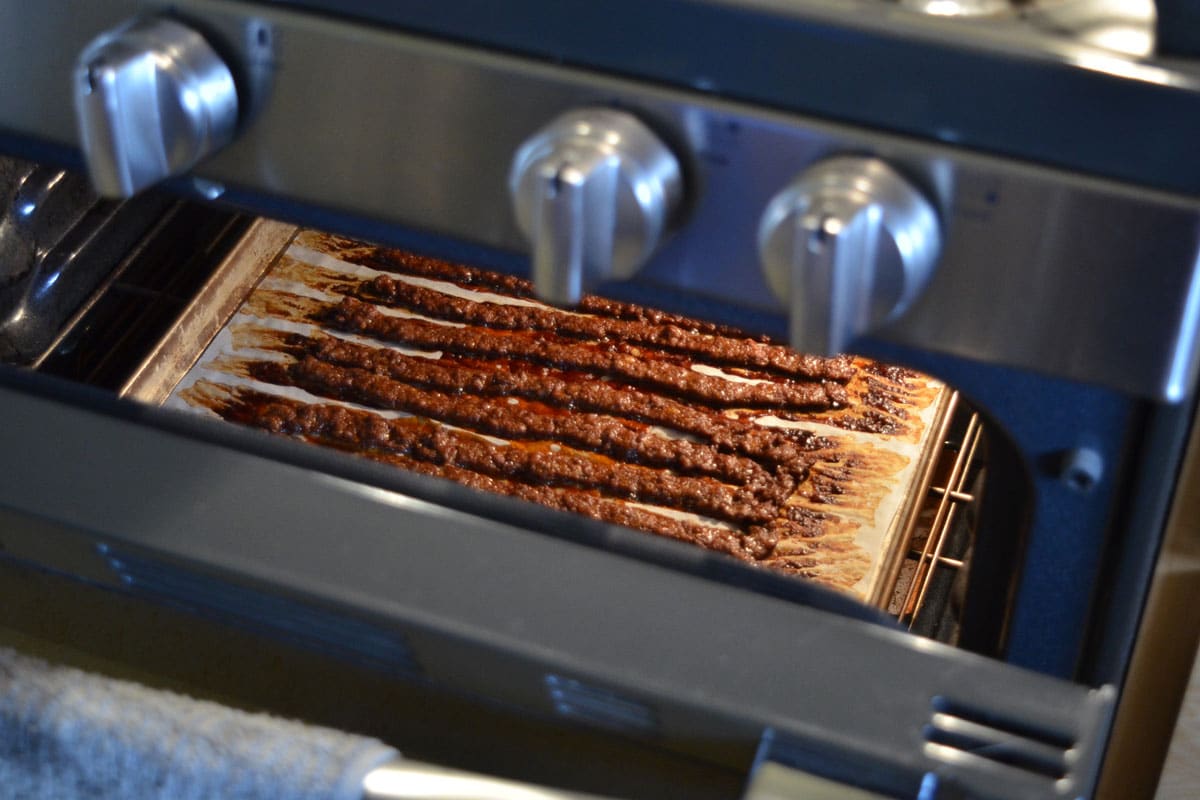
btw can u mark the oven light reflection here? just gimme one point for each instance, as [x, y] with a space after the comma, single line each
[925, 645]
[1186, 359]
[377, 495]
[643, 193]
[423, 782]
[944, 8]
[1135, 41]
[1122, 67]
[47, 285]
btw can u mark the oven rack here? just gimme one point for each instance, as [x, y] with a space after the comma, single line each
[938, 537]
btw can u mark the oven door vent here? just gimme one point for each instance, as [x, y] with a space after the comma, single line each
[306, 626]
[599, 707]
[961, 734]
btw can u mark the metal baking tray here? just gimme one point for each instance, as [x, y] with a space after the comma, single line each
[598, 627]
[881, 521]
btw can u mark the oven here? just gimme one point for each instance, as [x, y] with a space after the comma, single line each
[998, 197]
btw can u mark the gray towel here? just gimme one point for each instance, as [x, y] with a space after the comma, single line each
[65, 734]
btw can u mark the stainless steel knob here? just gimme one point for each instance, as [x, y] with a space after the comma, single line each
[593, 192]
[848, 246]
[152, 99]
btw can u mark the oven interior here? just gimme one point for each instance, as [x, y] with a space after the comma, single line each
[102, 314]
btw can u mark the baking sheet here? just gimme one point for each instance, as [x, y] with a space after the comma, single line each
[288, 268]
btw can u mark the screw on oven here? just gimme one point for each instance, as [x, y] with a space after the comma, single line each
[1081, 468]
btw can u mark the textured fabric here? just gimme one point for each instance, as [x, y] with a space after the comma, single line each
[65, 734]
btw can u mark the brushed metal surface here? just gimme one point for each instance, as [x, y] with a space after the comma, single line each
[216, 301]
[1041, 269]
[848, 245]
[959, 9]
[152, 99]
[593, 192]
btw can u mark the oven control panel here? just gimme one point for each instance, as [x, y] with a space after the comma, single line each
[382, 132]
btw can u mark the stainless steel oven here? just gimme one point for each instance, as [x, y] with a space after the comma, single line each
[998, 196]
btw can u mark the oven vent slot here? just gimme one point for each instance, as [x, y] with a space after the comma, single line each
[602, 708]
[956, 730]
[303, 625]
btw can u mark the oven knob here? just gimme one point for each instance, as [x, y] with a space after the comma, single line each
[848, 246]
[593, 192]
[152, 99]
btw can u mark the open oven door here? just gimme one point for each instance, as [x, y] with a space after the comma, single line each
[404, 572]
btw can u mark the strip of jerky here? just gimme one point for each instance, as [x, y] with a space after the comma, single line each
[718, 350]
[773, 447]
[405, 263]
[355, 316]
[753, 546]
[550, 465]
[591, 504]
[807, 537]
[524, 420]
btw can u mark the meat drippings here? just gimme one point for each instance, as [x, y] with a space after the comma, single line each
[355, 316]
[625, 335]
[628, 415]
[539, 464]
[563, 391]
[406, 263]
[526, 421]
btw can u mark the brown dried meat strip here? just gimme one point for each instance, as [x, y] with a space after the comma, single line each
[808, 548]
[405, 263]
[864, 420]
[355, 316]
[591, 504]
[523, 420]
[756, 544]
[428, 441]
[718, 350]
[821, 554]
[790, 449]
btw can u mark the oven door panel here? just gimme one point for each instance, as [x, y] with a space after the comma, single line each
[229, 521]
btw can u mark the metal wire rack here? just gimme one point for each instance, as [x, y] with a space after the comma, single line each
[939, 540]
